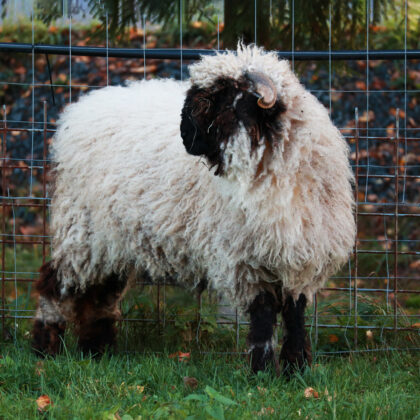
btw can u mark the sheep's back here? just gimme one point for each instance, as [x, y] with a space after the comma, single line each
[121, 171]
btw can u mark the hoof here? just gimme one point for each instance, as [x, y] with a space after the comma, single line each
[97, 337]
[294, 357]
[261, 357]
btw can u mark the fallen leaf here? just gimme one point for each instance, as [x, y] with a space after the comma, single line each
[39, 369]
[140, 389]
[311, 393]
[190, 382]
[62, 78]
[327, 394]
[393, 112]
[332, 338]
[140, 70]
[19, 70]
[416, 325]
[182, 357]
[262, 390]
[360, 85]
[367, 116]
[265, 411]
[43, 402]
[415, 264]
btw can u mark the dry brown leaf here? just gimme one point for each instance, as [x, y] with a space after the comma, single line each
[39, 369]
[190, 382]
[311, 393]
[21, 70]
[367, 116]
[182, 357]
[43, 402]
[360, 85]
[261, 390]
[327, 394]
[332, 338]
[140, 70]
[415, 264]
[265, 411]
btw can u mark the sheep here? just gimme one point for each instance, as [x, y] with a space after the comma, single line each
[237, 178]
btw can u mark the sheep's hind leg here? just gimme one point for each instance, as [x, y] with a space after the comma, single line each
[49, 325]
[263, 314]
[296, 349]
[95, 314]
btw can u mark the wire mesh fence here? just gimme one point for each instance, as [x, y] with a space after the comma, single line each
[372, 96]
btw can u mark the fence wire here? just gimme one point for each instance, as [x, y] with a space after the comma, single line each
[372, 302]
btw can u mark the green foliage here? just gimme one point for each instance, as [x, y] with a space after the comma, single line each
[271, 26]
[177, 324]
[182, 327]
[21, 31]
[413, 302]
[384, 385]
[125, 13]
[370, 311]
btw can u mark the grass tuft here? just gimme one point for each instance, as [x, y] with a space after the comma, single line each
[130, 386]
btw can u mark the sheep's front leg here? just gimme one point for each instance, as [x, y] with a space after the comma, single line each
[296, 349]
[263, 313]
[49, 324]
[95, 314]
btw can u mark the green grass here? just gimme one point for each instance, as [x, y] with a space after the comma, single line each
[381, 385]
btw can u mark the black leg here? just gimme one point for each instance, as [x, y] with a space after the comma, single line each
[263, 313]
[97, 335]
[47, 337]
[296, 349]
[49, 324]
[95, 314]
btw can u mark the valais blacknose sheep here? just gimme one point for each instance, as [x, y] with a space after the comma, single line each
[236, 178]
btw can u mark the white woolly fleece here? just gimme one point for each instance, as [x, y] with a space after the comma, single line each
[128, 198]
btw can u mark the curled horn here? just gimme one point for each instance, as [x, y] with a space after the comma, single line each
[264, 88]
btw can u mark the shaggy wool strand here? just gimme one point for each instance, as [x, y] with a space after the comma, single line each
[129, 199]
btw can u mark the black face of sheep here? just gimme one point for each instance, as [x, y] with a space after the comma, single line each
[212, 116]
